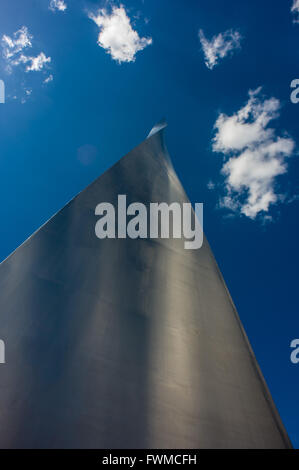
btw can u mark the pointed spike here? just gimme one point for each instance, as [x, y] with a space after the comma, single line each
[158, 127]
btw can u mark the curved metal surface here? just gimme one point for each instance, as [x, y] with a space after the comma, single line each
[125, 343]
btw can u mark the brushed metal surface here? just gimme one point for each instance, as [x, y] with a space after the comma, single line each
[125, 343]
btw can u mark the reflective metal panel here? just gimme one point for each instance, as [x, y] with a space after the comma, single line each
[125, 343]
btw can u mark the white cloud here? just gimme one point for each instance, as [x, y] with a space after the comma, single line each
[11, 46]
[256, 155]
[26, 95]
[36, 63]
[17, 60]
[13, 51]
[49, 79]
[295, 11]
[219, 46]
[117, 36]
[59, 5]
[247, 126]
[211, 185]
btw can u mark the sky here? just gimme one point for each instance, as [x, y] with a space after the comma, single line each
[85, 81]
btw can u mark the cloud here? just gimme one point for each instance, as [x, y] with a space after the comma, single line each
[13, 51]
[247, 126]
[117, 36]
[36, 63]
[27, 94]
[254, 155]
[219, 46]
[12, 46]
[49, 79]
[295, 11]
[18, 61]
[59, 5]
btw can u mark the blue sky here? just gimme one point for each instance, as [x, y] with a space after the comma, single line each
[76, 102]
